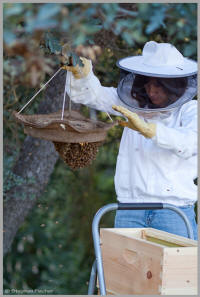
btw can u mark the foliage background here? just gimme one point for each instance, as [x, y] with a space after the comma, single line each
[53, 248]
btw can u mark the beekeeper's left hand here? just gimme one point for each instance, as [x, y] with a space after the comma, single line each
[79, 71]
[134, 122]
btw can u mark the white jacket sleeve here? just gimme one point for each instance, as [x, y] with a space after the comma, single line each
[180, 140]
[90, 92]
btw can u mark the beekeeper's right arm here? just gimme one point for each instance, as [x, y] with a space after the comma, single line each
[85, 88]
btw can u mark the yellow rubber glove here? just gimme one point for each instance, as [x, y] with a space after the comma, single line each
[134, 122]
[78, 71]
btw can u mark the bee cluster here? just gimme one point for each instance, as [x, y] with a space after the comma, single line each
[77, 155]
[76, 138]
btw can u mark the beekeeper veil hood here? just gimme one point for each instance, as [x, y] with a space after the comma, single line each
[165, 65]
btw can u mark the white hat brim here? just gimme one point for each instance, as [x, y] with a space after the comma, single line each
[135, 64]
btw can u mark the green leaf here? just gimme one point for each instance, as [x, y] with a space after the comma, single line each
[110, 8]
[190, 50]
[128, 37]
[171, 29]
[156, 21]
[13, 9]
[45, 24]
[120, 25]
[9, 37]
[52, 43]
[90, 11]
[43, 20]
[47, 11]
[90, 41]
[65, 25]
[128, 12]
[140, 38]
[80, 63]
[74, 59]
[90, 29]
[143, 8]
[81, 38]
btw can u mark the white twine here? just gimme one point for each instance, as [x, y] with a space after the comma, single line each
[39, 91]
[65, 91]
[70, 87]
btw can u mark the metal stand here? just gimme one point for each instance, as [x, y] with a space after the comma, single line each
[97, 267]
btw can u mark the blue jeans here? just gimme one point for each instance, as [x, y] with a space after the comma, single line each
[161, 219]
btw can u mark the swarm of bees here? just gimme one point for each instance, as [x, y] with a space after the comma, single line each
[75, 138]
[78, 155]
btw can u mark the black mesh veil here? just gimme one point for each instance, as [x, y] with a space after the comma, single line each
[131, 91]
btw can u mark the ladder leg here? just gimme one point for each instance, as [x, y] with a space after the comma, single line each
[93, 278]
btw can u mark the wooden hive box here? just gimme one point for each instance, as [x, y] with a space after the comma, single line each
[147, 261]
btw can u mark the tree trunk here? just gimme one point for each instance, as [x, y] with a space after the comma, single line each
[37, 159]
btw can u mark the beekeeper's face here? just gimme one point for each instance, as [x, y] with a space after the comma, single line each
[156, 93]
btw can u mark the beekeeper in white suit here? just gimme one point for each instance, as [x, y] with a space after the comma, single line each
[157, 160]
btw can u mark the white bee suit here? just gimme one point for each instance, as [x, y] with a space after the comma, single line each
[160, 169]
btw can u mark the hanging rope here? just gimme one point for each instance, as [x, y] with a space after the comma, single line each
[65, 91]
[38, 91]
